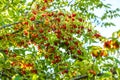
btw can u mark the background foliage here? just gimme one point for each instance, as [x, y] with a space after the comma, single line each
[53, 40]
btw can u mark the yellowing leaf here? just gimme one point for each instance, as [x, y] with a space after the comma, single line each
[35, 77]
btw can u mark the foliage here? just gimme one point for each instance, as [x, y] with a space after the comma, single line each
[53, 39]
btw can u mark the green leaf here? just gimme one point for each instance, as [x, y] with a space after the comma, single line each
[106, 75]
[117, 61]
[16, 77]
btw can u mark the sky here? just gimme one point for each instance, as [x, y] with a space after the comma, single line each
[107, 32]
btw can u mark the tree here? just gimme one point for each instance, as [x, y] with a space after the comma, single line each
[53, 39]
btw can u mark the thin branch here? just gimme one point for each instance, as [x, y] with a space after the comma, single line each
[84, 76]
[17, 31]
[80, 77]
[8, 25]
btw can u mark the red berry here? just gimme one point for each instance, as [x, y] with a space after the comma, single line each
[34, 12]
[47, 44]
[45, 1]
[115, 45]
[44, 15]
[65, 71]
[92, 72]
[13, 63]
[32, 28]
[81, 27]
[34, 35]
[76, 43]
[69, 16]
[1, 37]
[97, 35]
[23, 72]
[14, 55]
[58, 36]
[66, 43]
[26, 23]
[78, 31]
[79, 52]
[53, 26]
[74, 26]
[63, 26]
[89, 30]
[29, 65]
[73, 15]
[71, 48]
[56, 43]
[58, 31]
[34, 71]
[73, 19]
[43, 8]
[53, 62]
[103, 53]
[56, 57]
[60, 14]
[32, 18]
[107, 44]
[81, 20]
[41, 30]
[7, 34]
[25, 32]
[6, 51]
[57, 19]
[71, 31]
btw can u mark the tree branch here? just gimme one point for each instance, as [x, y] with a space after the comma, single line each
[84, 76]
[8, 25]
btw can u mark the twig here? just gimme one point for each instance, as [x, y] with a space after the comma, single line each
[85, 76]
[9, 25]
